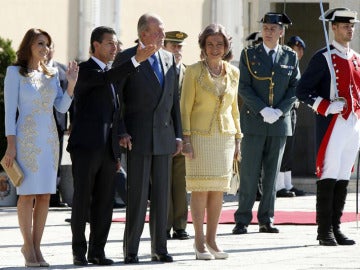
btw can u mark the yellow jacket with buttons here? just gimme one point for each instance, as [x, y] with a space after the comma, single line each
[200, 104]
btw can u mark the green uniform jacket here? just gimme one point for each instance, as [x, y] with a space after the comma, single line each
[255, 91]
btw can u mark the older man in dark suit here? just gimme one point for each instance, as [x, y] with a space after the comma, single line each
[152, 124]
[269, 75]
[94, 144]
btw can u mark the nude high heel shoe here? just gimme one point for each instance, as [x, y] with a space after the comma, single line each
[44, 264]
[217, 254]
[27, 263]
[202, 255]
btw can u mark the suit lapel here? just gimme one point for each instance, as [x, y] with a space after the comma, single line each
[164, 63]
[109, 92]
[165, 68]
[150, 75]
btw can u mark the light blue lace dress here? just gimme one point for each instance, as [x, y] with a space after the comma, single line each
[37, 143]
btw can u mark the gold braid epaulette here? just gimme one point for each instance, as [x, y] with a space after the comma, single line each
[271, 83]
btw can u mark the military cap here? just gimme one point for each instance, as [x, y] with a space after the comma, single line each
[296, 41]
[276, 18]
[176, 36]
[254, 38]
[342, 15]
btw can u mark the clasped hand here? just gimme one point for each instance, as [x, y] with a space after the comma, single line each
[125, 142]
[188, 150]
[270, 115]
[335, 107]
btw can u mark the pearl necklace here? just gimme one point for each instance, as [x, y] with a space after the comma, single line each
[213, 74]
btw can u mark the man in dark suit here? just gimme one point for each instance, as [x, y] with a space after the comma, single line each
[269, 74]
[178, 205]
[60, 119]
[94, 144]
[152, 134]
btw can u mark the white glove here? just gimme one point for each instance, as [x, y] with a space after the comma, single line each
[270, 115]
[266, 112]
[278, 112]
[335, 107]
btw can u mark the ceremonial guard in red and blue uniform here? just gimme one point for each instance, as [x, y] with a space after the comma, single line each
[331, 87]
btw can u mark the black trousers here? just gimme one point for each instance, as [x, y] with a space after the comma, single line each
[141, 169]
[94, 187]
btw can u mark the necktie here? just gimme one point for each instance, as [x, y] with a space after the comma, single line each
[113, 91]
[156, 67]
[271, 52]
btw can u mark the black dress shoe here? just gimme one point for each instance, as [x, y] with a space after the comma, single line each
[239, 229]
[327, 242]
[342, 239]
[180, 234]
[284, 193]
[80, 260]
[119, 205]
[100, 261]
[268, 228]
[161, 258]
[298, 192]
[59, 204]
[131, 258]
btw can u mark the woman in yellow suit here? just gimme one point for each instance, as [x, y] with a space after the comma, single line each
[211, 130]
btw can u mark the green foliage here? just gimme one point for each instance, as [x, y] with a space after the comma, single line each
[7, 57]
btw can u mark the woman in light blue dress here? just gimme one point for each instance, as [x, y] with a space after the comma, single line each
[31, 91]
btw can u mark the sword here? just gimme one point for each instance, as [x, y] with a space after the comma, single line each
[331, 66]
[357, 191]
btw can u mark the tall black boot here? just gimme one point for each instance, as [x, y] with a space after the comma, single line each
[324, 211]
[340, 193]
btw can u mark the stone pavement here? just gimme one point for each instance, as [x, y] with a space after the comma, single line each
[294, 247]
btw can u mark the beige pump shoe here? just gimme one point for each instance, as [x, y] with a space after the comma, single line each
[203, 255]
[217, 254]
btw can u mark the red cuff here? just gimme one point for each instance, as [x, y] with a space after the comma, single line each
[323, 106]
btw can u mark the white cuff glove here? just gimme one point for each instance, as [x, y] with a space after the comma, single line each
[266, 112]
[270, 115]
[278, 112]
[335, 107]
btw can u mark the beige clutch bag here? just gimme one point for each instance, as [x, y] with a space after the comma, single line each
[15, 173]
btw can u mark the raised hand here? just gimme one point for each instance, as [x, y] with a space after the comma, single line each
[144, 53]
[72, 75]
[72, 72]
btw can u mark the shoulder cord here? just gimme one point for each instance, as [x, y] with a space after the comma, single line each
[271, 83]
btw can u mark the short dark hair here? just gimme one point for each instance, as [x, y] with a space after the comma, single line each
[98, 34]
[215, 29]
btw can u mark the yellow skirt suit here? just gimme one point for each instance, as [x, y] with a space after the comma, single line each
[210, 116]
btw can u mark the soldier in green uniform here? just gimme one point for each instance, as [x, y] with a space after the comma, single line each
[269, 75]
[178, 205]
